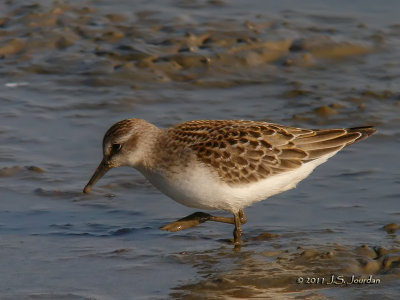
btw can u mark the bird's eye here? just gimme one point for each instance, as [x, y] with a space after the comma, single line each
[115, 147]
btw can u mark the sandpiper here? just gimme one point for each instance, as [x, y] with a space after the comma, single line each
[220, 164]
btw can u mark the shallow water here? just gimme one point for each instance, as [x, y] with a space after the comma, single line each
[69, 71]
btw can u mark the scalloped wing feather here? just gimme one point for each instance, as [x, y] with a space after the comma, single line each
[241, 152]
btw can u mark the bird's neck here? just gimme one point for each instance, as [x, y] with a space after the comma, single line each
[148, 144]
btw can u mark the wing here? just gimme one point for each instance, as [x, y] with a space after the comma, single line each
[248, 151]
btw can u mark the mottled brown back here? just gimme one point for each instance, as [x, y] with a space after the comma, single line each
[248, 151]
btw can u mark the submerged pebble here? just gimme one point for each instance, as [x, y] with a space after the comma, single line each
[391, 228]
[35, 169]
[391, 260]
[366, 251]
[296, 93]
[308, 254]
[371, 266]
[339, 50]
[13, 46]
[265, 236]
[10, 171]
[325, 110]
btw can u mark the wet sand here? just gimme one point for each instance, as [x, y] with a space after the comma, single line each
[69, 71]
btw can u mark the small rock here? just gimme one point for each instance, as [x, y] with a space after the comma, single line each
[309, 254]
[371, 266]
[63, 43]
[9, 171]
[271, 253]
[188, 60]
[13, 46]
[265, 236]
[391, 228]
[391, 260]
[362, 106]
[303, 60]
[378, 95]
[336, 105]
[121, 250]
[296, 93]
[115, 18]
[339, 50]
[381, 251]
[35, 169]
[3, 21]
[366, 251]
[328, 254]
[324, 111]
[112, 36]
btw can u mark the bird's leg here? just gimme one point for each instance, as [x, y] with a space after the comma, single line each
[237, 232]
[200, 217]
[242, 217]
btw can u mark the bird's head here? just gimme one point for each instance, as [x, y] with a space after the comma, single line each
[124, 144]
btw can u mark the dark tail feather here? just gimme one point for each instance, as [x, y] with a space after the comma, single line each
[365, 132]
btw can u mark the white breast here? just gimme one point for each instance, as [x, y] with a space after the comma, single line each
[199, 186]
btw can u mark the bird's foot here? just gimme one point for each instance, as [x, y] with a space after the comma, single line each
[190, 221]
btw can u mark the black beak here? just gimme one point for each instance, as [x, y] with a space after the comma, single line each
[102, 169]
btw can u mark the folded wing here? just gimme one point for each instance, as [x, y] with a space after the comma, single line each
[246, 151]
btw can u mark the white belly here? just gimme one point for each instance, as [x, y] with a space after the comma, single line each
[199, 187]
